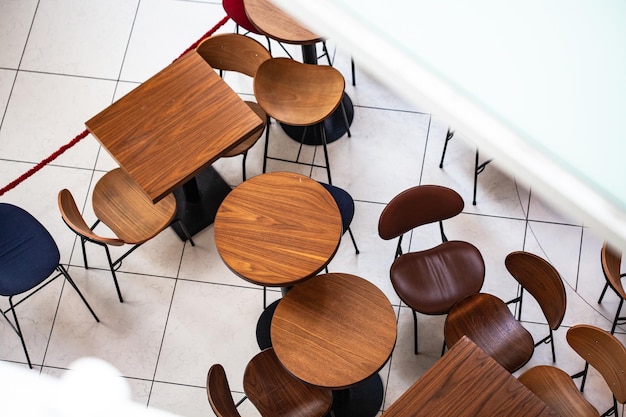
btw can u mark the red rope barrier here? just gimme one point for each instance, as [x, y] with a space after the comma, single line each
[85, 132]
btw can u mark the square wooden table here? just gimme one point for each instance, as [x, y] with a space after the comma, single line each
[468, 382]
[170, 129]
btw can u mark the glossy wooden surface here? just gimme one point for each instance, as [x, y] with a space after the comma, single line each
[276, 24]
[557, 389]
[468, 382]
[275, 392]
[173, 125]
[334, 330]
[298, 94]
[604, 352]
[120, 203]
[487, 320]
[277, 229]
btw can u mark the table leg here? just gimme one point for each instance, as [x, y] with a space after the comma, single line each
[335, 124]
[364, 399]
[198, 199]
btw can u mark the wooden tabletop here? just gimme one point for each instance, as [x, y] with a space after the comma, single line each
[468, 382]
[277, 24]
[334, 330]
[278, 229]
[173, 125]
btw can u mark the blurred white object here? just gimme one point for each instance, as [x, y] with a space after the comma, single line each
[91, 388]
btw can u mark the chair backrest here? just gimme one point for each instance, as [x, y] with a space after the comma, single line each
[236, 11]
[418, 206]
[611, 264]
[75, 221]
[218, 393]
[604, 352]
[275, 392]
[542, 281]
[233, 52]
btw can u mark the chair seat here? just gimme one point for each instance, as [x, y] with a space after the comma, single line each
[487, 320]
[298, 94]
[28, 254]
[123, 206]
[254, 136]
[431, 281]
[557, 389]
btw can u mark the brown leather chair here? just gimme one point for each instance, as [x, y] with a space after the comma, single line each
[218, 393]
[606, 354]
[611, 265]
[557, 389]
[544, 283]
[487, 320]
[430, 281]
[299, 94]
[126, 210]
[238, 53]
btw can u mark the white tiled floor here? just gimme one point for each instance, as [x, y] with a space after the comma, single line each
[62, 61]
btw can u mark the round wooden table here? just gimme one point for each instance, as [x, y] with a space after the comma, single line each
[336, 331]
[276, 24]
[277, 229]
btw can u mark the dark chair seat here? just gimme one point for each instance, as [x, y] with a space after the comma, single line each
[29, 257]
[28, 254]
[428, 281]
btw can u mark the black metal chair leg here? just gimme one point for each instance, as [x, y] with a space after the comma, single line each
[449, 136]
[323, 133]
[18, 330]
[353, 72]
[415, 329]
[112, 267]
[69, 279]
[353, 241]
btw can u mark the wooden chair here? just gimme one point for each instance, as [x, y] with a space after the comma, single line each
[218, 393]
[544, 283]
[29, 260]
[606, 354]
[120, 204]
[430, 281]
[275, 392]
[299, 95]
[479, 167]
[611, 265]
[238, 53]
[557, 389]
[487, 320]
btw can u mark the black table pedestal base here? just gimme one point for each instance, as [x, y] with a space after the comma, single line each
[198, 200]
[263, 326]
[362, 400]
[334, 124]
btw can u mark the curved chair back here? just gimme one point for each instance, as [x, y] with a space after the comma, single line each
[298, 94]
[604, 352]
[418, 206]
[75, 221]
[557, 389]
[236, 11]
[218, 393]
[487, 320]
[611, 264]
[233, 52]
[542, 281]
[275, 392]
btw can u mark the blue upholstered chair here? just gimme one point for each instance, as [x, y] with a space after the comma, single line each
[28, 258]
